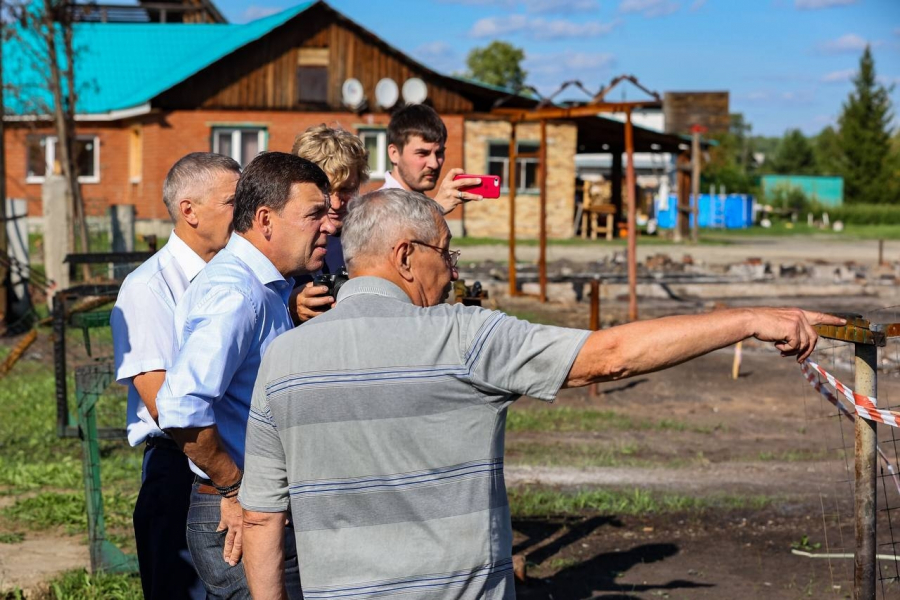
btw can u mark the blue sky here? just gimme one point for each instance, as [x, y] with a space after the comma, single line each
[786, 63]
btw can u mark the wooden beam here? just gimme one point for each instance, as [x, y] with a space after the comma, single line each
[587, 110]
[511, 186]
[542, 255]
[632, 220]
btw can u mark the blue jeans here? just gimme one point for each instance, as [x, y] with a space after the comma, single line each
[160, 515]
[207, 546]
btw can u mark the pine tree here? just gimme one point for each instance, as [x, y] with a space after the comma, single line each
[865, 138]
[794, 155]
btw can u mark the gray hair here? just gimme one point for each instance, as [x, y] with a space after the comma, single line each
[376, 221]
[193, 176]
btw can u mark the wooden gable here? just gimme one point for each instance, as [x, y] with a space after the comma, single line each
[303, 64]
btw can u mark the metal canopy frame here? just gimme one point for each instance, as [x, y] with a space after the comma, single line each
[543, 113]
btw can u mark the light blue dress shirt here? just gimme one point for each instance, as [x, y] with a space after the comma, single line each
[143, 325]
[224, 322]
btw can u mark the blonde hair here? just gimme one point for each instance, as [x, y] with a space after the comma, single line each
[336, 151]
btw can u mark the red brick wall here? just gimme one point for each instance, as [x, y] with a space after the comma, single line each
[113, 187]
[169, 136]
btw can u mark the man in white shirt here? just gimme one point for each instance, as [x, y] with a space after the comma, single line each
[416, 139]
[199, 195]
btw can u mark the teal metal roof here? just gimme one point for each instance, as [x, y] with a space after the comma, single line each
[123, 66]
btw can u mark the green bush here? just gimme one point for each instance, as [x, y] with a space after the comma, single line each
[863, 214]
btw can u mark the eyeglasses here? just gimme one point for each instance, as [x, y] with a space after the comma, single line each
[451, 257]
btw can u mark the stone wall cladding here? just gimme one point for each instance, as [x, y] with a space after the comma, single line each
[490, 218]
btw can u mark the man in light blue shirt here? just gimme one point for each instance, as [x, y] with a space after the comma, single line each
[198, 193]
[224, 323]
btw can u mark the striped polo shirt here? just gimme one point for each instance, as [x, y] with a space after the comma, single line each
[380, 425]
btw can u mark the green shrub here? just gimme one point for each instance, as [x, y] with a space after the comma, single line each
[863, 214]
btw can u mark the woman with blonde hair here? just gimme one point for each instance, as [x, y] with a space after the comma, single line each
[345, 161]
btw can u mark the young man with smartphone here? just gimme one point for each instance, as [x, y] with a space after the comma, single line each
[416, 139]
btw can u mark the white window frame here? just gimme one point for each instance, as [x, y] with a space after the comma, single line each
[520, 169]
[50, 142]
[384, 165]
[262, 139]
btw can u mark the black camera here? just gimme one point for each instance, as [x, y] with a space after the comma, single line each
[333, 281]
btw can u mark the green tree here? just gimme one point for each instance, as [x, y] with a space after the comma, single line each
[498, 63]
[828, 152]
[794, 155]
[731, 163]
[865, 137]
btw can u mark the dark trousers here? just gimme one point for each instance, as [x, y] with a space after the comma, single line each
[160, 517]
[207, 546]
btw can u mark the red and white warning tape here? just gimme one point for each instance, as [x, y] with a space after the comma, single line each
[866, 406]
[850, 395]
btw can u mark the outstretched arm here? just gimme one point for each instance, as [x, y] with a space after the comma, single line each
[648, 346]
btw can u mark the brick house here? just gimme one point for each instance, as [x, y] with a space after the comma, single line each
[151, 92]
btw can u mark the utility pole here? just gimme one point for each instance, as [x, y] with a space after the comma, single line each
[696, 158]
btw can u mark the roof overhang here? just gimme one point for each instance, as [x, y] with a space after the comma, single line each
[113, 115]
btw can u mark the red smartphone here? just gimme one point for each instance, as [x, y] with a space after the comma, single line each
[488, 188]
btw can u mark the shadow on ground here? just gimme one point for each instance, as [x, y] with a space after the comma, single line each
[592, 577]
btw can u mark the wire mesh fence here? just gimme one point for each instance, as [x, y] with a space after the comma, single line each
[838, 538]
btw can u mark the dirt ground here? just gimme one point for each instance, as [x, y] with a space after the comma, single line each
[765, 435]
[773, 249]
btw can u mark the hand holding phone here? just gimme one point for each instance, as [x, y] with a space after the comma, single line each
[488, 188]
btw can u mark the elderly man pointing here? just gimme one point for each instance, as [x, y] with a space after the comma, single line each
[388, 448]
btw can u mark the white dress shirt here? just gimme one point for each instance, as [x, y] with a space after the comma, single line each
[143, 325]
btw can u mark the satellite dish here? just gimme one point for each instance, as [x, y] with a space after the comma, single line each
[353, 94]
[414, 91]
[386, 93]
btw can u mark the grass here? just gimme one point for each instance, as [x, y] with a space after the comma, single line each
[785, 228]
[50, 510]
[533, 501]
[574, 455]
[80, 585]
[464, 242]
[12, 537]
[564, 419]
[802, 455]
[44, 472]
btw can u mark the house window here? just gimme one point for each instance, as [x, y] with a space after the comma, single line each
[312, 84]
[312, 75]
[526, 168]
[41, 156]
[375, 141]
[240, 143]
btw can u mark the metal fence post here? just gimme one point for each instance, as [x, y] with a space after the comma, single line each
[865, 470]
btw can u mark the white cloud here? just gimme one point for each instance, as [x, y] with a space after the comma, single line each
[697, 5]
[817, 4]
[254, 12]
[538, 28]
[839, 76]
[848, 43]
[547, 71]
[440, 56]
[565, 61]
[649, 8]
[561, 6]
[776, 98]
[535, 6]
